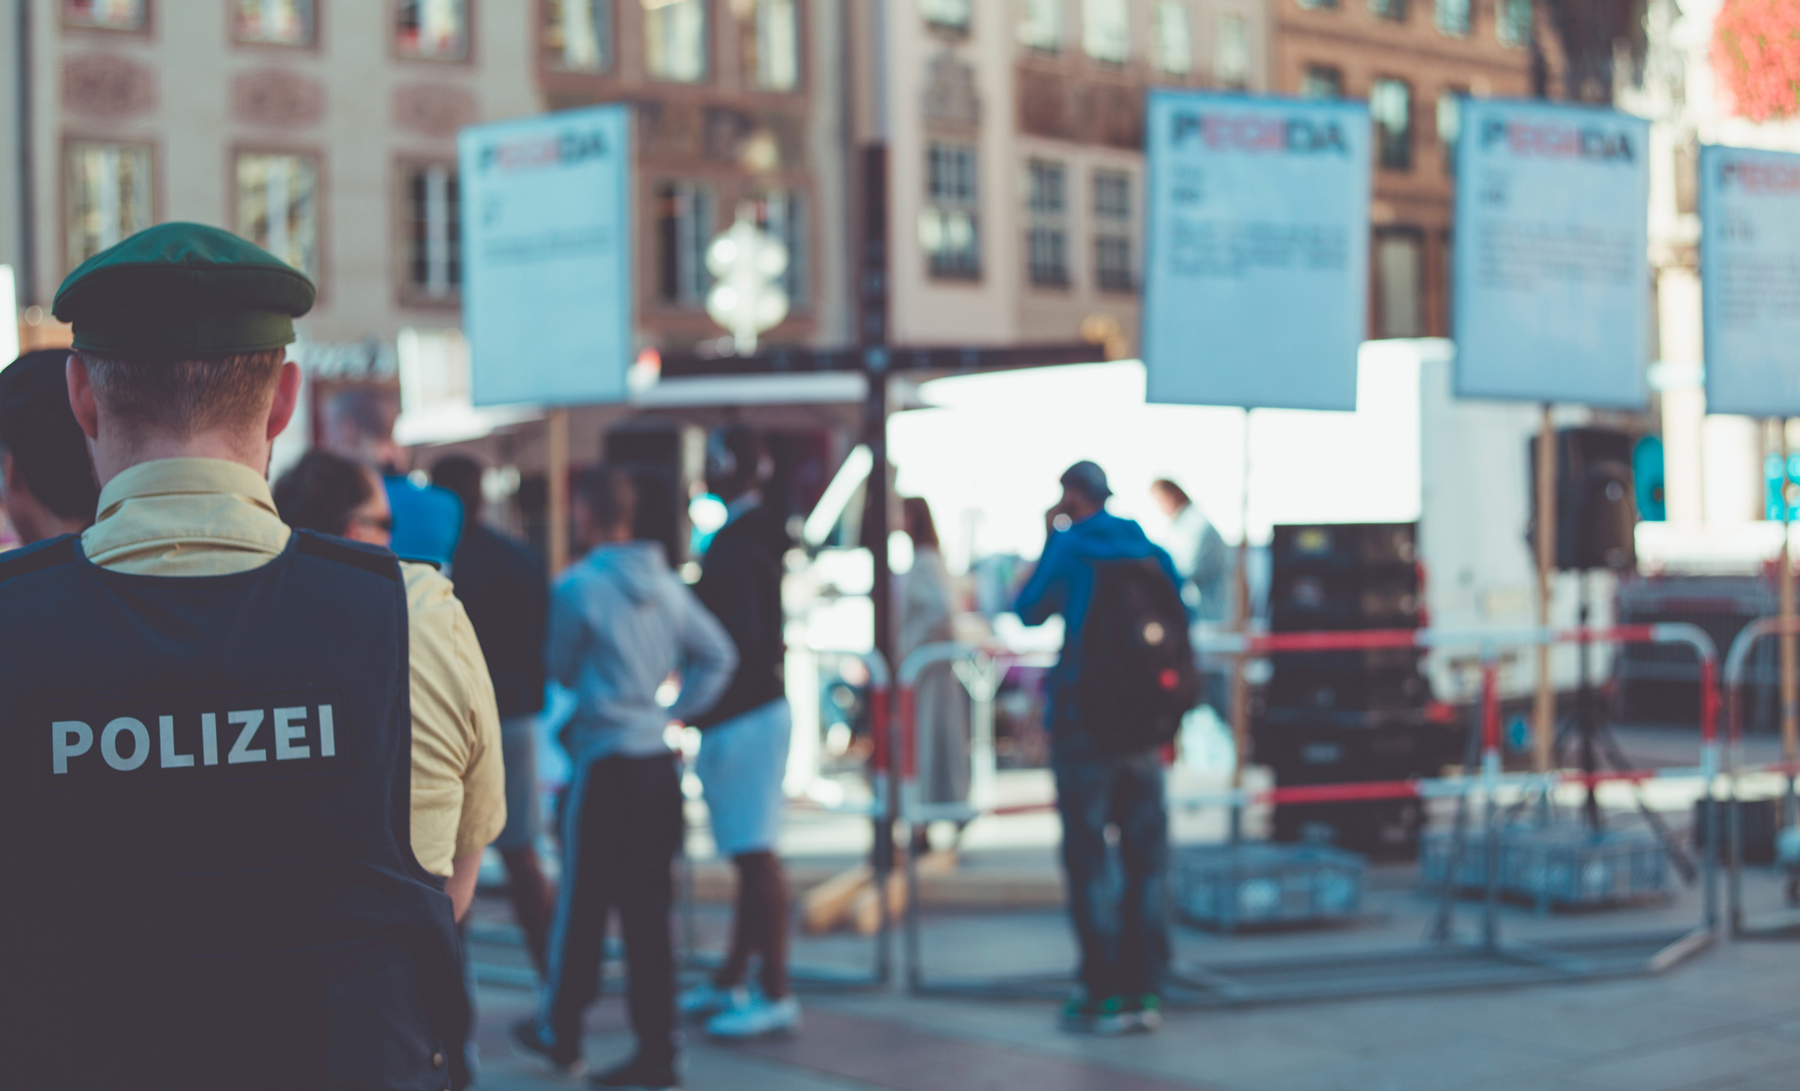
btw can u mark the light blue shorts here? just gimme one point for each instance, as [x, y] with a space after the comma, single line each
[741, 766]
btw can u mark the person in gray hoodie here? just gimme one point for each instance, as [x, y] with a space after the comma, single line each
[620, 624]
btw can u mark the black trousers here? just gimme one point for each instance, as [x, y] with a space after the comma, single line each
[622, 827]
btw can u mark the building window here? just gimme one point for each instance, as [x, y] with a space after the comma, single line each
[108, 196]
[1390, 104]
[782, 213]
[578, 34]
[434, 234]
[1047, 227]
[107, 14]
[774, 45]
[1106, 30]
[435, 30]
[1388, 9]
[1515, 22]
[675, 39]
[1040, 25]
[1113, 269]
[1449, 124]
[274, 22]
[949, 221]
[1453, 17]
[278, 206]
[1174, 45]
[1321, 81]
[684, 229]
[1231, 53]
[1399, 284]
[949, 14]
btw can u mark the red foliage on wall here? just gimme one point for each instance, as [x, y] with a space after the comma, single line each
[1756, 55]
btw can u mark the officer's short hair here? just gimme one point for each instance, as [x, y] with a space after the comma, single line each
[609, 495]
[185, 396]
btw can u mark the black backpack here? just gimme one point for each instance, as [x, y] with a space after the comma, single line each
[1138, 674]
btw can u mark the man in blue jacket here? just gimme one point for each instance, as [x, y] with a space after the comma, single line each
[1124, 948]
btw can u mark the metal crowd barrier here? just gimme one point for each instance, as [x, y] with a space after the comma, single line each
[1784, 925]
[1444, 963]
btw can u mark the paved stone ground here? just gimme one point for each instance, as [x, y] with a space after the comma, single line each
[1726, 1018]
[1729, 1020]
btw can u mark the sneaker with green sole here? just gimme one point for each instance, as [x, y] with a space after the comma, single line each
[1107, 1016]
[1145, 1011]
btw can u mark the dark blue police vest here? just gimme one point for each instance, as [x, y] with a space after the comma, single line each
[206, 874]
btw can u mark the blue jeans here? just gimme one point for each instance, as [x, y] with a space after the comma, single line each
[1120, 914]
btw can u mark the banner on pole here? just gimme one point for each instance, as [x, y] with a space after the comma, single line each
[1257, 268]
[546, 243]
[1551, 254]
[1750, 280]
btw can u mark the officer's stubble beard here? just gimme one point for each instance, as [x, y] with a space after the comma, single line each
[241, 431]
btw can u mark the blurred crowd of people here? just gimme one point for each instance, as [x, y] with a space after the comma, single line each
[611, 630]
[619, 624]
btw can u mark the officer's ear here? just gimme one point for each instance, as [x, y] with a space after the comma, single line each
[287, 399]
[81, 396]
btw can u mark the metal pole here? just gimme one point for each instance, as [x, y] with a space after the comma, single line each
[1240, 621]
[873, 291]
[1584, 705]
[1543, 720]
[556, 534]
[1490, 786]
[1709, 775]
[27, 135]
[1790, 660]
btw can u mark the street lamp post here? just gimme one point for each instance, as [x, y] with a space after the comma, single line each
[747, 297]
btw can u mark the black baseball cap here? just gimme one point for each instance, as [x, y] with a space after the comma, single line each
[38, 428]
[1088, 479]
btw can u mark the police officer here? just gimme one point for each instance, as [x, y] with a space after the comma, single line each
[249, 771]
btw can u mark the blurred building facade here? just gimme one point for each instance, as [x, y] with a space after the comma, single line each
[1713, 463]
[739, 109]
[1014, 152]
[323, 132]
[1411, 59]
[326, 132]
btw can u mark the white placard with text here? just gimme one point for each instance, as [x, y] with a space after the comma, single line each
[1257, 266]
[546, 242]
[1551, 249]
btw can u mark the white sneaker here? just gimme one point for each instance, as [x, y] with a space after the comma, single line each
[757, 1018]
[706, 1000]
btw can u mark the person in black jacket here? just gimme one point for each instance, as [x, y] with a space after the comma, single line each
[504, 590]
[744, 745]
[46, 481]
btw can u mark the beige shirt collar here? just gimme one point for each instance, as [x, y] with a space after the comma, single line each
[186, 516]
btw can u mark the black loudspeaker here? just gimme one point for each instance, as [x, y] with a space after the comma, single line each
[1346, 576]
[1596, 502]
[650, 454]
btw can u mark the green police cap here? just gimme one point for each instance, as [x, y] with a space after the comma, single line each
[180, 291]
